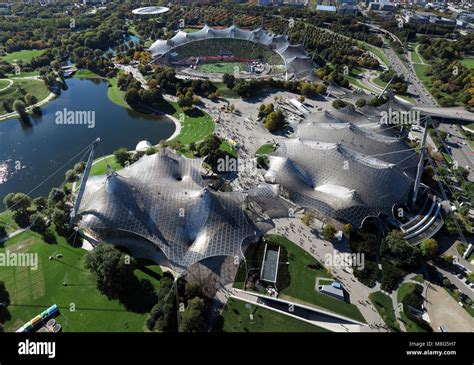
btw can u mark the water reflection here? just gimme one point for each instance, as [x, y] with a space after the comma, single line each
[41, 146]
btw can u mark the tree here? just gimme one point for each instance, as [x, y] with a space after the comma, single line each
[229, 80]
[429, 248]
[38, 222]
[20, 107]
[122, 156]
[30, 99]
[41, 203]
[339, 103]
[347, 229]
[192, 319]
[274, 120]
[192, 290]
[4, 303]
[361, 102]
[17, 201]
[60, 218]
[113, 268]
[132, 97]
[329, 232]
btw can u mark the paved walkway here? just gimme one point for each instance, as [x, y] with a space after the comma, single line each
[302, 235]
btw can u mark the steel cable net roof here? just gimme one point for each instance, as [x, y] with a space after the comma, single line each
[296, 59]
[336, 181]
[163, 199]
[385, 148]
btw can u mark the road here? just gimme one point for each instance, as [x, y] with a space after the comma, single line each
[459, 149]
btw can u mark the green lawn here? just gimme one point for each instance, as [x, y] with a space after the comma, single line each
[225, 92]
[354, 80]
[468, 62]
[86, 74]
[116, 95]
[383, 304]
[7, 221]
[20, 88]
[196, 125]
[414, 57]
[100, 167]
[265, 149]
[421, 71]
[237, 319]
[191, 30]
[4, 83]
[25, 55]
[302, 288]
[221, 67]
[32, 291]
[404, 289]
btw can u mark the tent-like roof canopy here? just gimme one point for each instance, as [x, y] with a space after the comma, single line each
[296, 59]
[343, 183]
[163, 199]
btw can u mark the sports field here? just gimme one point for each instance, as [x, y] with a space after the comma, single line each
[222, 67]
[61, 279]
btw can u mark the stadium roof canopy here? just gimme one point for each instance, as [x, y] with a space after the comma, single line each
[342, 170]
[296, 59]
[163, 199]
[150, 10]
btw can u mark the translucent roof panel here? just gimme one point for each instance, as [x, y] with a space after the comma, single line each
[163, 199]
[337, 181]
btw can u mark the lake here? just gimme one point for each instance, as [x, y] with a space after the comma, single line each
[41, 146]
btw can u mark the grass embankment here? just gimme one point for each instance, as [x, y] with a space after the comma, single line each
[19, 89]
[304, 270]
[383, 304]
[376, 51]
[82, 306]
[236, 316]
[86, 74]
[405, 289]
[7, 221]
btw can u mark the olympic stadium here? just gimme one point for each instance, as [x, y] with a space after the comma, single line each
[252, 53]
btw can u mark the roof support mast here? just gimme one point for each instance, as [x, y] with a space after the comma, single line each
[84, 178]
[419, 171]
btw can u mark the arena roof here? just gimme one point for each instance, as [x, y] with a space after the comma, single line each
[296, 59]
[163, 199]
[343, 183]
[150, 10]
